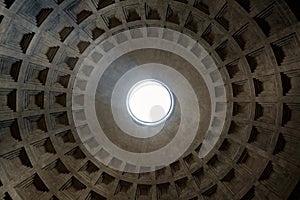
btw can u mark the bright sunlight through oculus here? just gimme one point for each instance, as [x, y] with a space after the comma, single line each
[150, 102]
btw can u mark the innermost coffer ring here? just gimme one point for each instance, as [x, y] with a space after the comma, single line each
[150, 102]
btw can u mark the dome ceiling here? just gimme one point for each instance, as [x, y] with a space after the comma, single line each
[66, 67]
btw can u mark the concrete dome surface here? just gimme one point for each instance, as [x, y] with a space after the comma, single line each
[232, 70]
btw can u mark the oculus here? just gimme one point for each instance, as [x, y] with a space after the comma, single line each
[149, 102]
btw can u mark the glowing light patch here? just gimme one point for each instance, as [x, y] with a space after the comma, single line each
[150, 102]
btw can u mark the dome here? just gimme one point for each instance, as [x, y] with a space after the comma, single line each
[149, 100]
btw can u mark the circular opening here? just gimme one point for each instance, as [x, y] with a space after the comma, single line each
[150, 102]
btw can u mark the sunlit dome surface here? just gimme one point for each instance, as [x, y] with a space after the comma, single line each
[150, 102]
